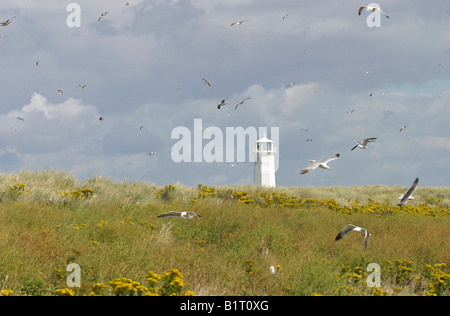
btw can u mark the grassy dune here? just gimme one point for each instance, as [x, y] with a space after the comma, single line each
[49, 219]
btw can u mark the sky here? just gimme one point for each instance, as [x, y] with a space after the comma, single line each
[303, 65]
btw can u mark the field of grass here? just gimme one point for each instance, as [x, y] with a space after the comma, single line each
[50, 219]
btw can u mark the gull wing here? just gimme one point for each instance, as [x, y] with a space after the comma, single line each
[366, 239]
[170, 214]
[368, 140]
[345, 231]
[360, 10]
[328, 159]
[409, 192]
[312, 165]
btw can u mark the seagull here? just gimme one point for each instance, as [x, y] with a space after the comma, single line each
[403, 127]
[368, 72]
[371, 9]
[101, 118]
[272, 270]
[7, 22]
[290, 85]
[351, 111]
[102, 15]
[206, 82]
[37, 63]
[441, 64]
[185, 215]
[152, 153]
[238, 23]
[305, 129]
[351, 227]
[322, 163]
[60, 91]
[309, 140]
[408, 193]
[82, 86]
[363, 145]
[221, 104]
[20, 118]
[3, 36]
[242, 102]
[285, 16]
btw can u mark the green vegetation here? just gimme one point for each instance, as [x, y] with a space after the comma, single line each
[49, 219]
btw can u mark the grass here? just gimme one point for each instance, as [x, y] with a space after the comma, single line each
[49, 219]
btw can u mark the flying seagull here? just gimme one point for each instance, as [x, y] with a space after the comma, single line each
[102, 15]
[237, 23]
[7, 22]
[206, 82]
[185, 215]
[363, 145]
[351, 227]
[60, 91]
[403, 127]
[82, 86]
[408, 193]
[20, 118]
[242, 102]
[152, 153]
[371, 9]
[290, 85]
[350, 111]
[322, 163]
[222, 103]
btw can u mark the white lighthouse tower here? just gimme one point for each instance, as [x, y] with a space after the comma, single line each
[265, 163]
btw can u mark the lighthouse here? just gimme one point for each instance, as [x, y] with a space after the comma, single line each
[265, 163]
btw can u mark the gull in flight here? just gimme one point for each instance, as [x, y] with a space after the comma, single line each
[290, 85]
[82, 86]
[351, 227]
[221, 104]
[285, 16]
[102, 15]
[242, 102]
[441, 64]
[403, 127]
[408, 193]
[60, 91]
[371, 9]
[185, 215]
[363, 145]
[152, 153]
[238, 23]
[20, 118]
[7, 22]
[322, 163]
[37, 63]
[206, 82]
[351, 111]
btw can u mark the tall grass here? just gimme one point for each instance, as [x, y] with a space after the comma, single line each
[49, 219]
